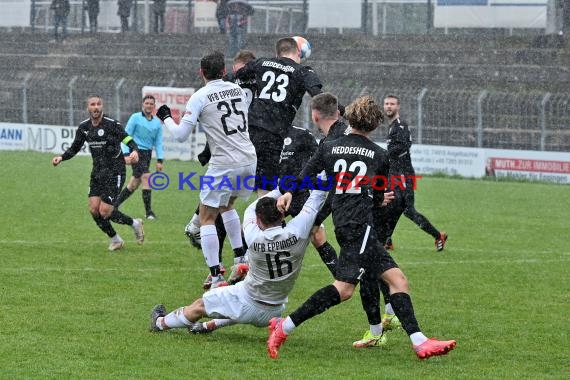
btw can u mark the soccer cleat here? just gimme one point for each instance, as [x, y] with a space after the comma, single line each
[198, 328]
[239, 270]
[369, 340]
[276, 337]
[157, 312]
[390, 322]
[440, 242]
[434, 347]
[151, 216]
[389, 245]
[218, 281]
[139, 231]
[208, 281]
[193, 234]
[116, 245]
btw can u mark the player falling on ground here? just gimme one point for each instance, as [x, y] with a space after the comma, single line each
[276, 254]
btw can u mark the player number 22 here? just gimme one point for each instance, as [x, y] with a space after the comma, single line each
[277, 263]
[229, 109]
[340, 167]
[268, 92]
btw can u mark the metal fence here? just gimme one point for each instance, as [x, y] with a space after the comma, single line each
[487, 119]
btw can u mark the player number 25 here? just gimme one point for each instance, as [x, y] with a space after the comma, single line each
[228, 112]
[268, 92]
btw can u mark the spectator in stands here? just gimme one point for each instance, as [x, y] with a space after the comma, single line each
[221, 14]
[61, 10]
[159, 8]
[124, 13]
[92, 8]
[238, 17]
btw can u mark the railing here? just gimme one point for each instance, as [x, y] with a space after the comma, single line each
[484, 118]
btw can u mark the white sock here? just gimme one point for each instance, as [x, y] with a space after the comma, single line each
[222, 322]
[288, 326]
[376, 329]
[418, 338]
[233, 228]
[116, 239]
[210, 245]
[389, 309]
[176, 319]
[195, 220]
[135, 223]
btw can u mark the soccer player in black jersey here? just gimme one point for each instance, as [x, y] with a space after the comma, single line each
[355, 162]
[282, 82]
[104, 136]
[399, 144]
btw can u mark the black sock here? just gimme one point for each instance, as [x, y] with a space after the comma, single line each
[329, 257]
[316, 304]
[370, 297]
[104, 225]
[239, 252]
[146, 200]
[385, 289]
[221, 231]
[215, 270]
[402, 305]
[123, 195]
[119, 217]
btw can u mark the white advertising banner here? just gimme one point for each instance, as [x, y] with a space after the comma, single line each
[37, 137]
[176, 98]
[335, 14]
[490, 13]
[531, 165]
[205, 14]
[15, 13]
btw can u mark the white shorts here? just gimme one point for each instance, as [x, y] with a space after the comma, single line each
[219, 184]
[234, 303]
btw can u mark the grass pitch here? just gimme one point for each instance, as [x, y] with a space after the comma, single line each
[71, 309]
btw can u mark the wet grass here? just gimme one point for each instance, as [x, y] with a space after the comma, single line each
[71, 309]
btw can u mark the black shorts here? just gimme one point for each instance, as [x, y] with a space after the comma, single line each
[106, 186]
[143, 165]
[360, 252]
[268, 147]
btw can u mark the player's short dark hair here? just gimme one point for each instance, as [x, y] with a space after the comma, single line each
[364, 114]
[93, 96]
[244, 56]
[326, 104]
[151, 97]
[393, 97]
[267, 212]
[285, 45]
[213, 65]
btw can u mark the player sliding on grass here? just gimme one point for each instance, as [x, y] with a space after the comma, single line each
[362, 256]
[275, 257]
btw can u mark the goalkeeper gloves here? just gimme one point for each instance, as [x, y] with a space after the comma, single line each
[163, 112]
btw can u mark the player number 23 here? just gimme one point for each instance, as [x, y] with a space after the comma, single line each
[268, 92]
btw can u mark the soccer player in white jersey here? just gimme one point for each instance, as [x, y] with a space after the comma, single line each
[276, 253]
[221, 108]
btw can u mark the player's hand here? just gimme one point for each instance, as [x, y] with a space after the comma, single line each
[134, 157]
[159, 166]
[388, 198]
[127, 160]
[56, 160]
[163, 112]
[284, 202]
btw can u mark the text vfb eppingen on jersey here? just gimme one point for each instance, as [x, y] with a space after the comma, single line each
[341, 182]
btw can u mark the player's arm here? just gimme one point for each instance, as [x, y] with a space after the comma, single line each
[305, 220]
[76, 145]
[159, 150]
[128, 140]
[187, 123]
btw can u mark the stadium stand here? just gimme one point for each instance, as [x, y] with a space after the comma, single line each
[515, 71]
